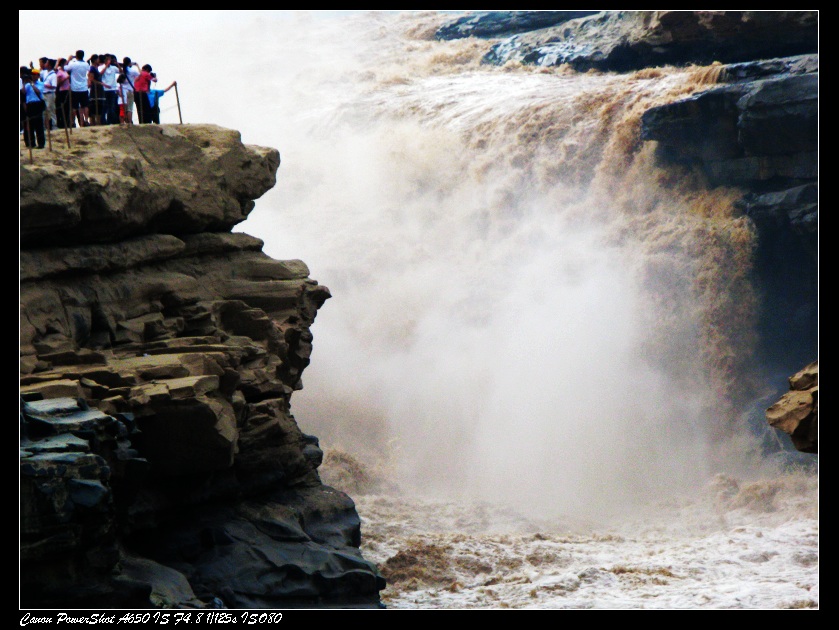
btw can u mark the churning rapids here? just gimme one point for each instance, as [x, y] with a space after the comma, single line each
[535, 375]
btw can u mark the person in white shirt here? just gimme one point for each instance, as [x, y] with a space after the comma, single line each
[131, 72]
[109, 72]
[78, 69]
[50, 79]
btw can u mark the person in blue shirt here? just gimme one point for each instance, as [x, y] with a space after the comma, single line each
[154, 102]
[34, 106]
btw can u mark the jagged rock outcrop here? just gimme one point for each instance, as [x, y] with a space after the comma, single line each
[160, 463]
[797, 411]
[629, 40]
[488, 24]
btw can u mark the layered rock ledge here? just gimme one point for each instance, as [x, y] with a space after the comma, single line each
[160, 463]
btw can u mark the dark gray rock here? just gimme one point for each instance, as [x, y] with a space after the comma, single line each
[622, 41]
[488, 24]
[266, 554]
[765, 68]
[798, 206]
[744, 132]
[780, 116]
[700, 128]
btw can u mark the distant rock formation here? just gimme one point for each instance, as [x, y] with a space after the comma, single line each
[622, 41]
[500, 23]
[160, 463]
[797, 412]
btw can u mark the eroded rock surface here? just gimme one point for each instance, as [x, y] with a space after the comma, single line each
[622, 41]
[160, 463]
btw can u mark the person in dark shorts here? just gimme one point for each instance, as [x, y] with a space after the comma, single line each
[78, 68]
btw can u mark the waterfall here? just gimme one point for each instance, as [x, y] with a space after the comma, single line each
[526, 308]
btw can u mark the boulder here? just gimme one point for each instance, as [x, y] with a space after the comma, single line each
[797, 412]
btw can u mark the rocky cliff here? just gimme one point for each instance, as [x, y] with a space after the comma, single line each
[160, 464]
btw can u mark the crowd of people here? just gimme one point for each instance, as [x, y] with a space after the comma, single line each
[75, 91]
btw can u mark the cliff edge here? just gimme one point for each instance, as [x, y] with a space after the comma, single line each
[160, 463]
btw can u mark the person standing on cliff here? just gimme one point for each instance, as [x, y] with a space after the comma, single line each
[96, 105]
[141, 92]
[154, 101]
[50, 79]
[109, 72]
[33, 100]
[78, 68]
[131, 72]
[62, 100]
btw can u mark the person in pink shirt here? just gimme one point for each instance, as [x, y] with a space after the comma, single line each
[63, 114]
[142, 85]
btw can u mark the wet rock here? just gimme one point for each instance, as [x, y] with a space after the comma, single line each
[501, 23]
[630, 40]
[747, 124]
